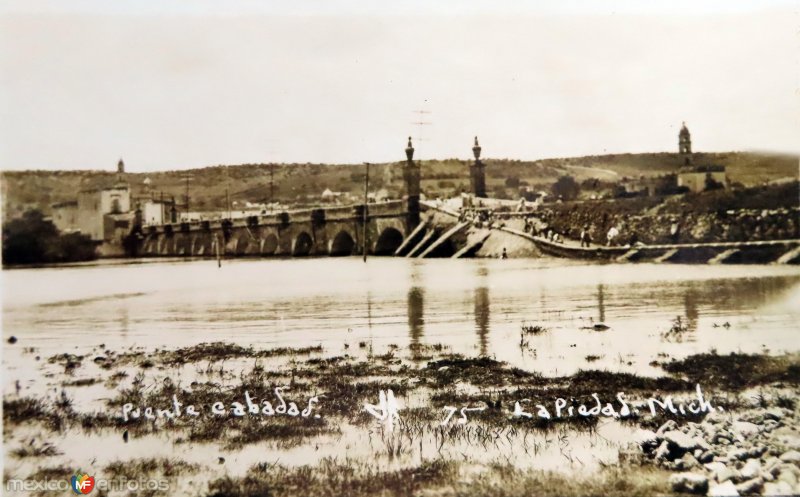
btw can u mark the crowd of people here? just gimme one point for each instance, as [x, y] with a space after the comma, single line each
[591, 226]
[586, 235]
[753, 214]
[479, 218]
[535, 227]
[613, 224]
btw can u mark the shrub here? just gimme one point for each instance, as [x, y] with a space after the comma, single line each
[31, 239]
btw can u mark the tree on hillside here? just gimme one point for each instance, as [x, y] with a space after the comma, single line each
[566, 188]
[500, 192]
[712, 184]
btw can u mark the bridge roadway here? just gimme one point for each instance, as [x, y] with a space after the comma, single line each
[764, 251]
[331, 231]
[761, 251]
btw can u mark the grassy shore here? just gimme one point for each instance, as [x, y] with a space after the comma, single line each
[427, 379]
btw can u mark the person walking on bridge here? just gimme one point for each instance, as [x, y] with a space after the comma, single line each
[613, 232]
[586, 238]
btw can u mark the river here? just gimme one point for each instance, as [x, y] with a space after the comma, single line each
[473, 306]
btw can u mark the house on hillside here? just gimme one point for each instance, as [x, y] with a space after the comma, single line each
[666, 184]
[65, 216]
[701, 178]
[330, 196]
[158, 211]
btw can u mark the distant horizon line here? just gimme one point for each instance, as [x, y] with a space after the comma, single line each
[112, 169]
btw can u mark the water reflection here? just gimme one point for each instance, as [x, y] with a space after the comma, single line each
[482, 318]
[400, 301]
[416, 314]
[369, 313]
[601, 308]
[124, 320]
[481, 307]
[692, 311]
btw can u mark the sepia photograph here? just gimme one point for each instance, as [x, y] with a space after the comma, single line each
[518, 248]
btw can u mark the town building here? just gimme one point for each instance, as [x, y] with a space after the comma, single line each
[101, 213]
[330, 196]
[643, 185]
[65, 216]
[157, 211]
[94, 204]
[701, 178]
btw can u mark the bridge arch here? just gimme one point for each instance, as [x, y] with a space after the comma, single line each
[183, 244]
[162, 245]
[269, 245]
[342, 244]
[217, 247]
[198, 245]
[172, 245]
[150, 245]
[242, 243]
[302, 245]
[389, 240]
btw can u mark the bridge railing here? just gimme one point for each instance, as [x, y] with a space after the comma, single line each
[333, 213]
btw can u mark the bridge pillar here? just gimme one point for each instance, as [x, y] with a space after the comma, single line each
[477, 173]
[411, 174]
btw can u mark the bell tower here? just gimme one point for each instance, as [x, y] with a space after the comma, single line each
[685, 145]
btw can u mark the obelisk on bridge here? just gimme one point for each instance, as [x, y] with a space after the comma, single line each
[411, 174]
[477, 173]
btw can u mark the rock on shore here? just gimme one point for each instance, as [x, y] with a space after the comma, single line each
[754, 452]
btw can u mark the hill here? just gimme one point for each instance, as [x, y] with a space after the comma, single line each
[302, 184]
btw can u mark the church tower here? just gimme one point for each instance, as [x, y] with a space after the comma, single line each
[119, 181]
[685, 145]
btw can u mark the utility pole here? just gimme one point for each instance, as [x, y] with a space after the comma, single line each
[366, 208]
[271, 151]
[272, 183]
[187, 195]
[227, 187]
[187, 177]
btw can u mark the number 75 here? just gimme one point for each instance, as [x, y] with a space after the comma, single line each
[463, 419]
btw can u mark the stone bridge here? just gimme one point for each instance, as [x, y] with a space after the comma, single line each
[392, 228]
[335, 231]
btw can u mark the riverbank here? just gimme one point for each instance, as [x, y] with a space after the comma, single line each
[752, 214]
[346, 449]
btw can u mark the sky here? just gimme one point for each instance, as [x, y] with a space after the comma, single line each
[173, 84]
